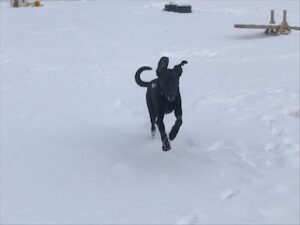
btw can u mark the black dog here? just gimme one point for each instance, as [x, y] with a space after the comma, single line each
[163, 97]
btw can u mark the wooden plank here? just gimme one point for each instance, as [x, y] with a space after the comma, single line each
[294, 28]
[253, 26]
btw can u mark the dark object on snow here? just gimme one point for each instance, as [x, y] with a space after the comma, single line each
[178, 8]
[163, 97]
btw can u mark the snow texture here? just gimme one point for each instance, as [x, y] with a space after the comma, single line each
[76, 146]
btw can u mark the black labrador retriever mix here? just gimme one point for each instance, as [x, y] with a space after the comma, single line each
[163, 97]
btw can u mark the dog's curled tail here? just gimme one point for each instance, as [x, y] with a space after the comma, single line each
[138, 76]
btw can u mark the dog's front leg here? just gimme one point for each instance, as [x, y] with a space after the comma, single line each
[164, 138]
[178, 122]
[175, 128]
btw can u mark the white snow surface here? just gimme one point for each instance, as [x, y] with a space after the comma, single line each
[76, 146]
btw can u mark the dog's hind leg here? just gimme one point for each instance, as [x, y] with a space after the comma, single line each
[152, 113]
[178, 122]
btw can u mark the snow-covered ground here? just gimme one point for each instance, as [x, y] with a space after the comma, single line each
[75, 131]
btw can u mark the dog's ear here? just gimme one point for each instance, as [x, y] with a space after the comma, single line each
[162, 64]
[178, 68]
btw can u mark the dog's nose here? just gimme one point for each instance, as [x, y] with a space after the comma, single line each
[171, 98]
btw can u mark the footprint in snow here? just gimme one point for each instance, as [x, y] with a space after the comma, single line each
[294, 113]
[277, 132]
[230, 194]
[189, 218]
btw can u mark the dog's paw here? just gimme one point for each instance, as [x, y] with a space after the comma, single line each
[172, 135]
[153, 132]
[166, 146]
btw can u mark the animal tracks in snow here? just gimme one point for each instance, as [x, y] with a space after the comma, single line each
[190, 217]
[228, 194]
[294, 113]
[204, 54]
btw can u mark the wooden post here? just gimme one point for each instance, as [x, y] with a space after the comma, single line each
[284, 26]
[285, 23]
[272, 21]
[284, 17]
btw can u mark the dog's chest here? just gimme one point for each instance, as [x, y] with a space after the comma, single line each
[169, 107]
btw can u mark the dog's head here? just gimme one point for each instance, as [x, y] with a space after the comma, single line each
[168, 79]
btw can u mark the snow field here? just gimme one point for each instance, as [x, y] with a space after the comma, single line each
[75, 133]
